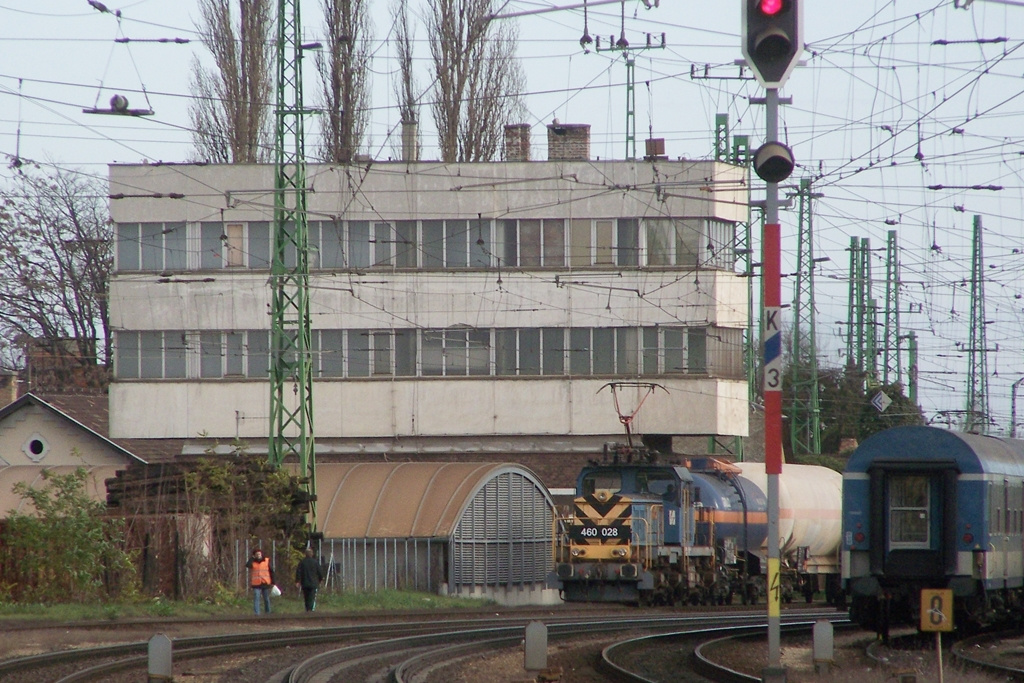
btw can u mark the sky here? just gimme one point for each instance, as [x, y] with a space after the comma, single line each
[906, 115]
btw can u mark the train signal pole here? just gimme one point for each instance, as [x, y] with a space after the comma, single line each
[772, 41]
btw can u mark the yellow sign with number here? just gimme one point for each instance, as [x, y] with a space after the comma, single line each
[936, 609]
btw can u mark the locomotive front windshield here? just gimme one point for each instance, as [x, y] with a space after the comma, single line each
[602, 479]
[659, 482]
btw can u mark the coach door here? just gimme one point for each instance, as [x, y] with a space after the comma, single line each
[912, 508]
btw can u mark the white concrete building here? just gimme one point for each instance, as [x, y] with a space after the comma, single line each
[455, 307]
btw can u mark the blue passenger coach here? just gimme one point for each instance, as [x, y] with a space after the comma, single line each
[931, 508]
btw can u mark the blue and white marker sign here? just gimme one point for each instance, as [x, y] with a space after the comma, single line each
[771, 332]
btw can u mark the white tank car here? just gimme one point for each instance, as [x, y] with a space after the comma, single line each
[810, 512]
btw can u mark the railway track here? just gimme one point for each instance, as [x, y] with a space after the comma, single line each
[415, 659]
[398, 652]
[626, 660]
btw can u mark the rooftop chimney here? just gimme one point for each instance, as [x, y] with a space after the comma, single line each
[410, 141]
[517, 142]
[568, 141]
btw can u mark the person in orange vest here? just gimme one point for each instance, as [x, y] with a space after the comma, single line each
[261, 578]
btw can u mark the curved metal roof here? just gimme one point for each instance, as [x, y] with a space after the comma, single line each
[401, 500]
[972, 453]
[95, 483]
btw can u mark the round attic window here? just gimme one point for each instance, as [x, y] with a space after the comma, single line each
[35, 448]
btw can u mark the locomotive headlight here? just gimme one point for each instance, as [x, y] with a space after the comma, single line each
[619, 552]
[578, 552]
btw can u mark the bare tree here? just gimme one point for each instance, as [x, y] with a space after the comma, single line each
[56, 253]
[478, 80]
[405, 83]
[230, 114]
[343, 65]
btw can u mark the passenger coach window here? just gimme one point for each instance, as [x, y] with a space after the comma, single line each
[908, 511]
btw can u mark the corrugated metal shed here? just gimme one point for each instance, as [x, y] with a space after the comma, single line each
[473, 529]
[398, 500]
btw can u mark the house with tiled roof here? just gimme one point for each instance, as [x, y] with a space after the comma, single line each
[59, 435]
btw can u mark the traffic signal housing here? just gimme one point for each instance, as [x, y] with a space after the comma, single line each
[773, 162]
[772, 39]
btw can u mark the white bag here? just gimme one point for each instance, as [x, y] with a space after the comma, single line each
[275, 591]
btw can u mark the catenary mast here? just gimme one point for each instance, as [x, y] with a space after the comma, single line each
[291, 372]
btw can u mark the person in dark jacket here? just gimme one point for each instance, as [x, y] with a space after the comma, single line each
[261, 579]
[308, 575]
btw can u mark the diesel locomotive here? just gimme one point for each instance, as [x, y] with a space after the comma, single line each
[928, 508]
[695, 532]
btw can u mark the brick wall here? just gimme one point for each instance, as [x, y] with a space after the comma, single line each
[568, 141]
[517, 142]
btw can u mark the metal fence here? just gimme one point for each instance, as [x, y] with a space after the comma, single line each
[360, 565]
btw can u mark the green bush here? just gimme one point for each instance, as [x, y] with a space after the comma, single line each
[69, 550]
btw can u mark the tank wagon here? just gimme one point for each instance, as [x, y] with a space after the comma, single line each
[695, 532]
[930, 508]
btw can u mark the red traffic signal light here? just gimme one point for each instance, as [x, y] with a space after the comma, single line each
[772, 38]
[771, 7]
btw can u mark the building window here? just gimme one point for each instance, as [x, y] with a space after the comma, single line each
[697, 351]
[721, 244]
[697, 242]
[151, 246]
[432, 346]
[358, 353]
[222, 245]
[381, 353]
[664, 351]
[480, 244]
[534, 243]
[627, 247]
[593, 242]
[528, 352]
[455, 243]
[151, 355]
[459, 352]
[358, 244]
[328, 346]
[261, 244]
[211, 354]
[433, 244]
[405, 353]
[329, 238]
[579, 351]
[223, 354]
[234, 246]
[553, 351]
[210, 247]
[405, 244]
[257, 344]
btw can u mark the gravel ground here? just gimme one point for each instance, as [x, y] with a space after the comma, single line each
[577, 663]
[576, 660]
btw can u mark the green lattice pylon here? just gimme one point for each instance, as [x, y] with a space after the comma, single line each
[291, 367]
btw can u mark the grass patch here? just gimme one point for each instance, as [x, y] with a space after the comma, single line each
[232, 605]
